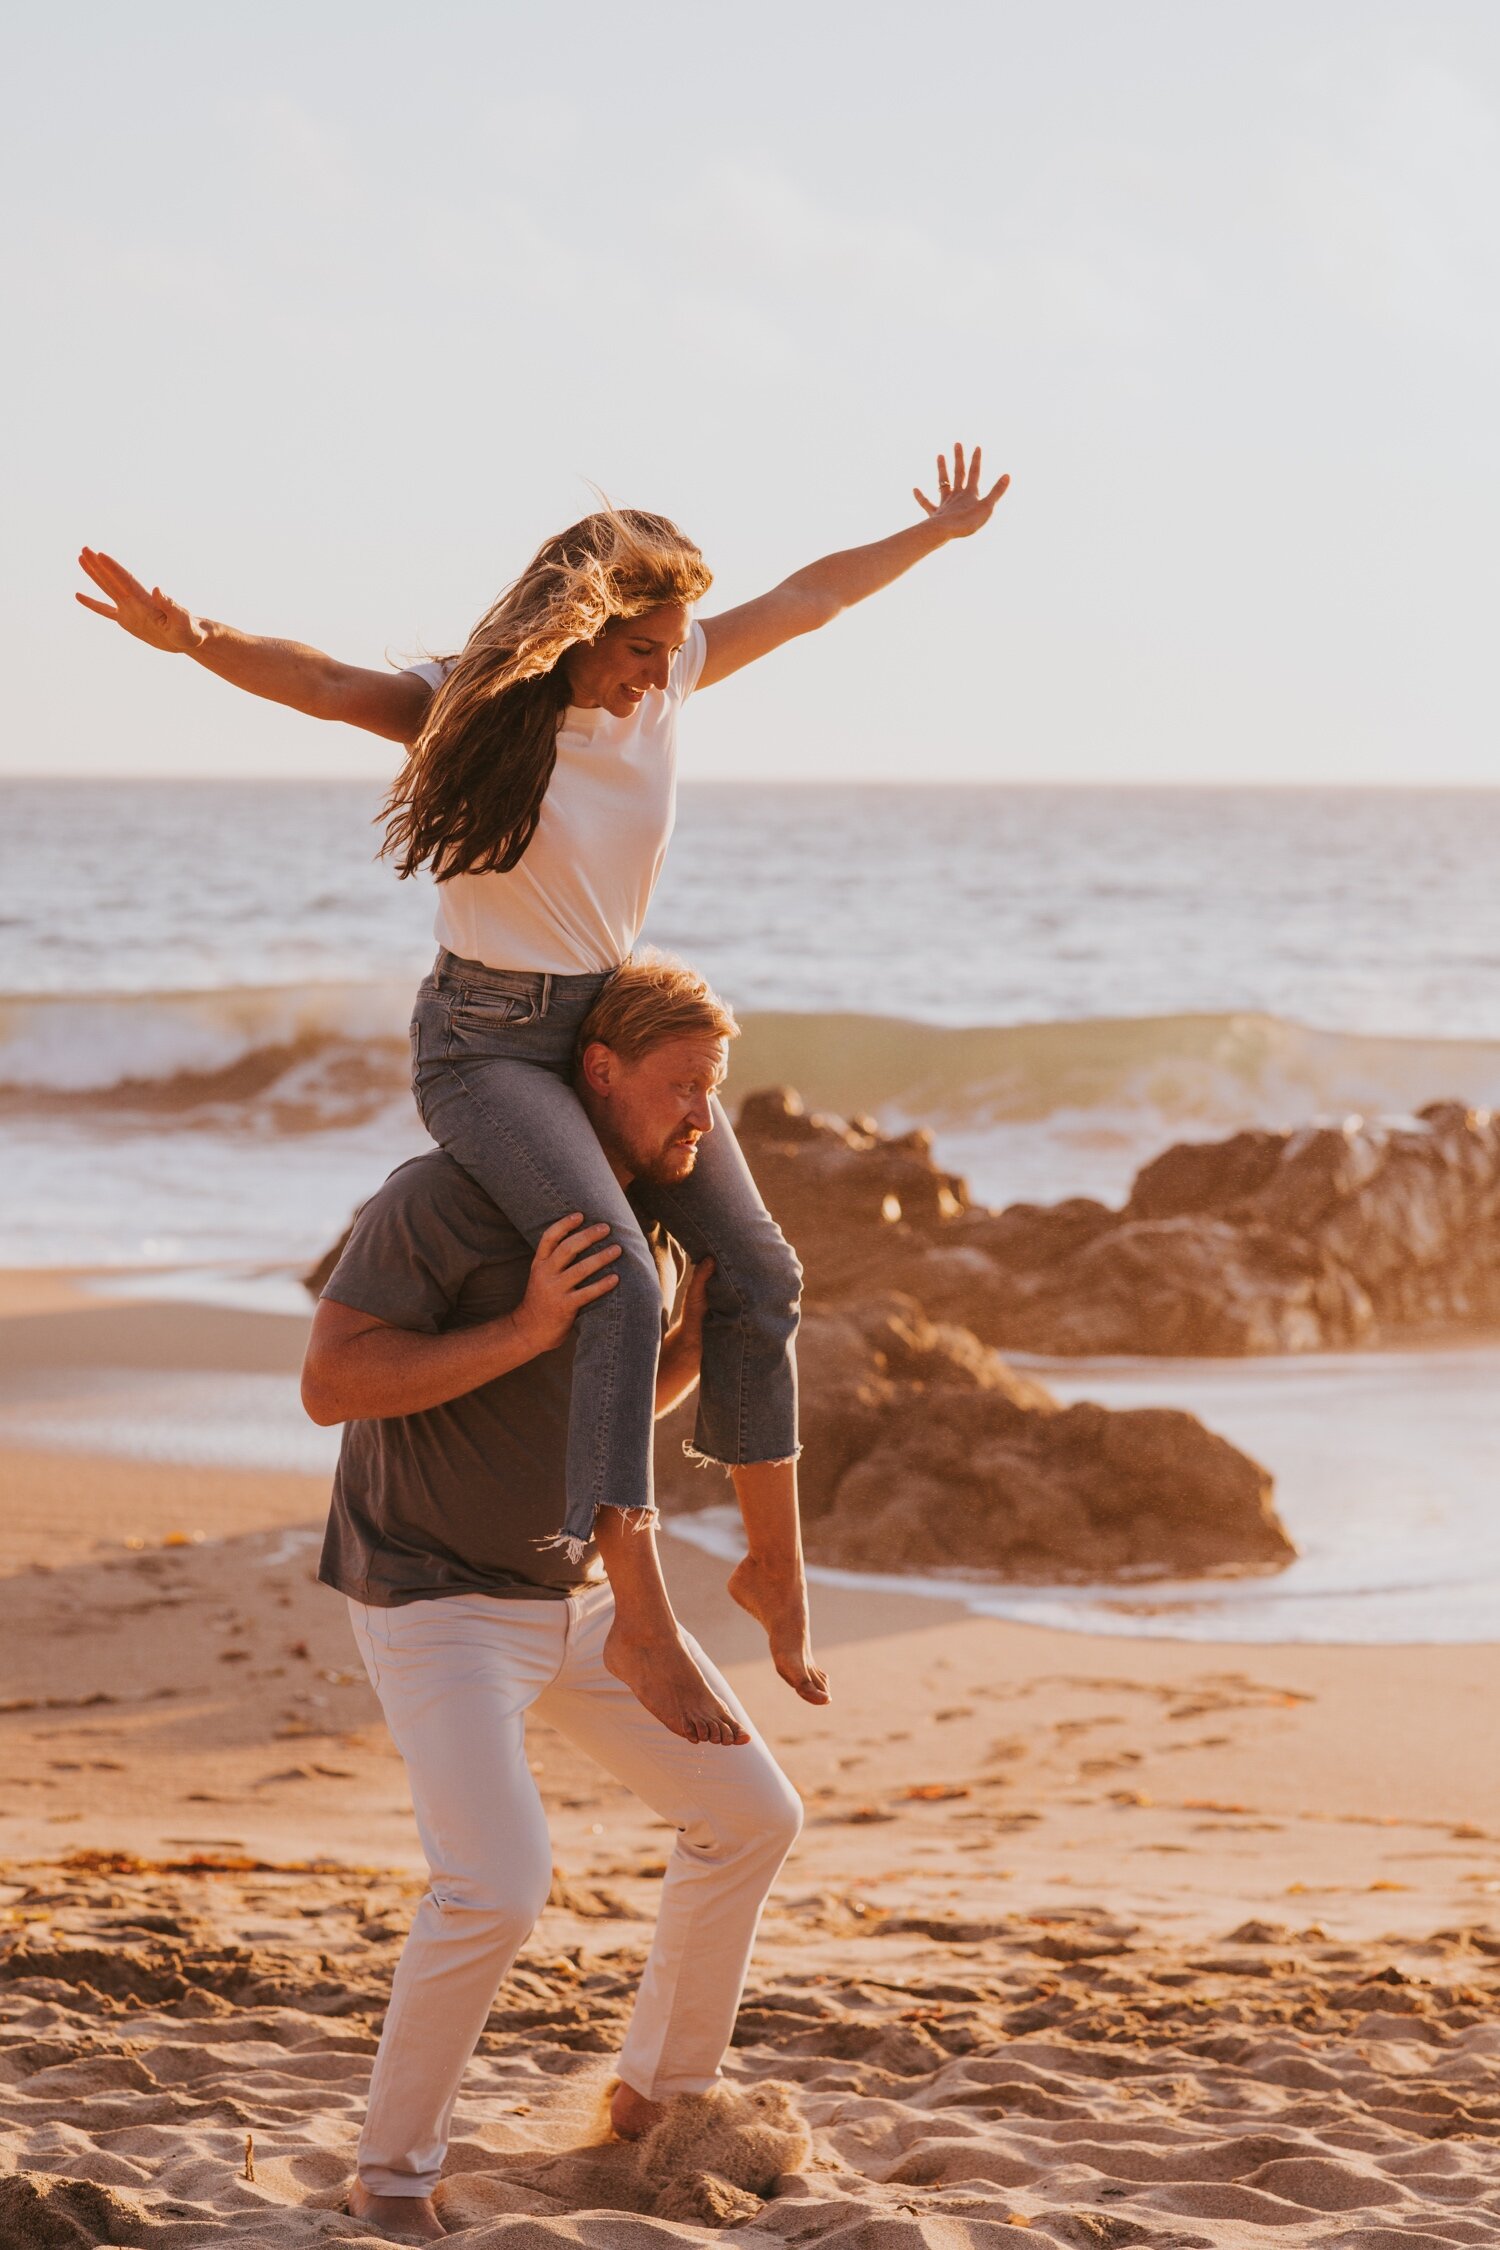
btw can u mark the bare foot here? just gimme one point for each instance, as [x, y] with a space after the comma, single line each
[631, 2115]
[661, 1674]
[405, 2218]
[780, 1604]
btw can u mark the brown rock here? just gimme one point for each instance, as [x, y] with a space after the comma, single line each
[1322, 1239]
[925, 1452]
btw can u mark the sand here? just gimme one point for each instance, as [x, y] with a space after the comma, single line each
[1088, 1942]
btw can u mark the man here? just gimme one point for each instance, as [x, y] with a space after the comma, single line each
[443, 1345]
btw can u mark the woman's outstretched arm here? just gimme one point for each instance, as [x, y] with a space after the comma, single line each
[391, 704]
[814, 596]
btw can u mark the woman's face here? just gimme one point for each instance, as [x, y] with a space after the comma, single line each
[630, 657]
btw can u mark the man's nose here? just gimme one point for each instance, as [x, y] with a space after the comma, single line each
[701, 1116]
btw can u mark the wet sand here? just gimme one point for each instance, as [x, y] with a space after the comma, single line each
[1086, 1941]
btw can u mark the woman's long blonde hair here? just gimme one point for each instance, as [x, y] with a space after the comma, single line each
[468, 799]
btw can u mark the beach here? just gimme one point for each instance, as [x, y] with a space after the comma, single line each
[1094, 1940]
[1145, 1911]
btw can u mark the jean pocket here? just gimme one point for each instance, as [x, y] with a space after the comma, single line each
[477, 1010]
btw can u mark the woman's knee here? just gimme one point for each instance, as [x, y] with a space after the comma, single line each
[766, 1278]
[636, 1296]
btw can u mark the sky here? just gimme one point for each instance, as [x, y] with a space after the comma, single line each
[324, 315]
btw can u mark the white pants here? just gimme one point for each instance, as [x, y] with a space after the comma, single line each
[455, 1678]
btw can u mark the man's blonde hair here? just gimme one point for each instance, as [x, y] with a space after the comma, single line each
[650, 1000]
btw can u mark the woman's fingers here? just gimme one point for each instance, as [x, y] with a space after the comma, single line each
[100, 609]
[944, 487]
[958, 468]
[1000, 485]
[108, 581]
[929, 507]
[128, 595]
[974, 465]
[116, 579]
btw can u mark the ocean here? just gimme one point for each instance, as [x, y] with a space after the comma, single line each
[204, 990]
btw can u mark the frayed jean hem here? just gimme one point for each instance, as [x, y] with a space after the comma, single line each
[702, 1460]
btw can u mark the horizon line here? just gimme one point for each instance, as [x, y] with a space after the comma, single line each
[802, 782]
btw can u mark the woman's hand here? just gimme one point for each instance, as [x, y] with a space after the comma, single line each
[566, 1274]
[813, 597]
[961, 507]
[153, 618]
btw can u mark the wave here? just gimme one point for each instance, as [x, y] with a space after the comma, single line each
[326, 1053]
[1209, 1070]
[220, 1048]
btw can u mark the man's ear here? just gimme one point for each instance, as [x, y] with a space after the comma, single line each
[598, 1067]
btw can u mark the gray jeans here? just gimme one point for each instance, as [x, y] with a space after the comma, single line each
[492, 1055]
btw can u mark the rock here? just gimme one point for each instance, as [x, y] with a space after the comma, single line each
[925, 1452]
[1179, 1288]
[1331, 1237]
[853, 1195]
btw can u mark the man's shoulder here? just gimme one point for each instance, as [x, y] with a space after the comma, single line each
[433, 1185]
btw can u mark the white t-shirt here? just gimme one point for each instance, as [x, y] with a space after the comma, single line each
[578, 898]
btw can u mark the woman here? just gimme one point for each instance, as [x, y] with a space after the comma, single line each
[539, 789]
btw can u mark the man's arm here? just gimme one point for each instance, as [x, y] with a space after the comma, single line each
[360, 1369]
[682, 1346]
[390, 704]
[815, 596]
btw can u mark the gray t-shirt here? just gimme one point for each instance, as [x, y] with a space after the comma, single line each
[460, 1499]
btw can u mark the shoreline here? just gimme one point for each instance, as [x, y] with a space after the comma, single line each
[189, 1367]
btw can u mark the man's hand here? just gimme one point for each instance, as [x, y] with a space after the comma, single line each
[961, 507]
[153, 618]
[682, 1347]
[695, 1304]
[566, 1274]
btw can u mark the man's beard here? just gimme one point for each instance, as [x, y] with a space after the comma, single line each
[666, 1167]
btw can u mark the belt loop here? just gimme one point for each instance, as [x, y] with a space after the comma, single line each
[546, 992]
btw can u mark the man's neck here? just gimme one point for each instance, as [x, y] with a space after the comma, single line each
[619, 1164]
